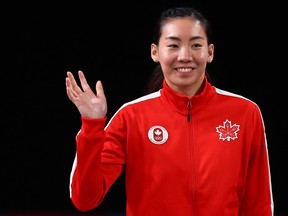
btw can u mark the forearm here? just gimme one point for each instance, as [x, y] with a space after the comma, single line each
[87, 184]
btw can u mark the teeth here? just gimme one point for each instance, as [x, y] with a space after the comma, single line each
[184, 69]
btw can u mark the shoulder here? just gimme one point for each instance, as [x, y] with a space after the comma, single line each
[233, 95]
[143, 99]
[136, 106]
[240, 104]
[237, 99]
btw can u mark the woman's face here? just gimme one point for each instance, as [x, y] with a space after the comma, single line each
[183, 54]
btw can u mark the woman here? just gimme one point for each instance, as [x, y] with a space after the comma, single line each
[187, 149]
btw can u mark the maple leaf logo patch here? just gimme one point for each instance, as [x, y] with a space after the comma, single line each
[227, 131]
[158, 134]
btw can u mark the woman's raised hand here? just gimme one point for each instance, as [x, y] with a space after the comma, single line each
[89, 104]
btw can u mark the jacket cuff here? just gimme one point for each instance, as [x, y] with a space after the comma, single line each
[92, 126]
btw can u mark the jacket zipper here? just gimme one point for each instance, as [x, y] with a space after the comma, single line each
[192, 152]
[189, 105]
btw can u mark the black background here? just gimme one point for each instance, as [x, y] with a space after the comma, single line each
[111, 41]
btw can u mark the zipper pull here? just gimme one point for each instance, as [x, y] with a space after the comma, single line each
[189, 108]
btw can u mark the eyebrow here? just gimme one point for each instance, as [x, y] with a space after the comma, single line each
[178, 39]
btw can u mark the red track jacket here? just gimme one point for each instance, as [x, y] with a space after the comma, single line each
[205, 156]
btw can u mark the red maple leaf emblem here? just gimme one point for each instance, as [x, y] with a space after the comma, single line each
[228, 131]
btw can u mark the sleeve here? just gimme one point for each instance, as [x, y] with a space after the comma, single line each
[91, 177]
[258, 199]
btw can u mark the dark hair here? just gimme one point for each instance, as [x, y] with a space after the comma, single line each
[155, 80]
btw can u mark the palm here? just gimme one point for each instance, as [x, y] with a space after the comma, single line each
[88, 103]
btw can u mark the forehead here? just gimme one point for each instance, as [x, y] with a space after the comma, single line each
[183, 27]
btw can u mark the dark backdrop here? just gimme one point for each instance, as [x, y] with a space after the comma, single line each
[111, 42]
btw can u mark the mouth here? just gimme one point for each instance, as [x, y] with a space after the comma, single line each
[184, 69]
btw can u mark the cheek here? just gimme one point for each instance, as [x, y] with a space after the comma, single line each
[166, 57]
[201, 57]
[166, 66]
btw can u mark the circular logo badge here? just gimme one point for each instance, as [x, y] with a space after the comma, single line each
[157, 134]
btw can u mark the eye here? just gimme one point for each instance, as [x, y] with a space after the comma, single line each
[173, 46]
[197, 45]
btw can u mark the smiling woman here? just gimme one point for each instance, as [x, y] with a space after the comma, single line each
[215, 163]
[38, 147]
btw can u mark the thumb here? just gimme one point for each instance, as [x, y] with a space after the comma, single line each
[99, 89]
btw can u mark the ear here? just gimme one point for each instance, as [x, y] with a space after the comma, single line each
[210, 53]
[154, 52]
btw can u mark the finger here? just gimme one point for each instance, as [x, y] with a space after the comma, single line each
[100, 89]
[83, 81]
[71, 79]
[70, 92]
[72, 84]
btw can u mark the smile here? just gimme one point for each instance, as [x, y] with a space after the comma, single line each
[184, 69]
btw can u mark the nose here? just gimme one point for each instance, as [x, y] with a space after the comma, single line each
[185, 54]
